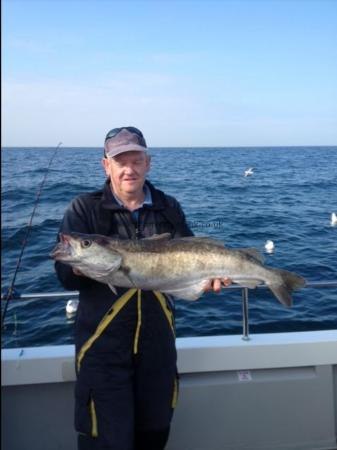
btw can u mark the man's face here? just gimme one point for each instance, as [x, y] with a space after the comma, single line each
[127, 171]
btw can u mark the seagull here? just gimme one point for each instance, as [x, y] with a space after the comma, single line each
[71, 306]
[333, 219]
[249, 172]
[269, 246]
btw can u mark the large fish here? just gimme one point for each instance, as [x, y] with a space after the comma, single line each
[179, 267]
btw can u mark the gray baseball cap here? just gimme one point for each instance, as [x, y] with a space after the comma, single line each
[123, 139]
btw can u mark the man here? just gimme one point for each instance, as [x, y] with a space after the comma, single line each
[126, 386]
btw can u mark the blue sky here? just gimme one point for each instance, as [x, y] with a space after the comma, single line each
[188, 73]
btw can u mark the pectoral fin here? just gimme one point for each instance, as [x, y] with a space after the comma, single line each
[112, 287]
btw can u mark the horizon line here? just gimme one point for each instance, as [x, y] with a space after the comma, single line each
[174, 147]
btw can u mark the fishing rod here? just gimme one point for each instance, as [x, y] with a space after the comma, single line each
[10, 292]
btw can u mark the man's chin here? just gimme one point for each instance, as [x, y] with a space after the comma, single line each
[132, 186]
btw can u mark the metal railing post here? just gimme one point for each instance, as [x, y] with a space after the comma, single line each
[245, 315]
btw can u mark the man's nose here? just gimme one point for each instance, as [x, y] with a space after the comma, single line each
[129, 168]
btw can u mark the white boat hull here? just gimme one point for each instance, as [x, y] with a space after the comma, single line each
[273, 392]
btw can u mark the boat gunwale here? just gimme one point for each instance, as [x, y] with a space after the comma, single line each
[55, 364]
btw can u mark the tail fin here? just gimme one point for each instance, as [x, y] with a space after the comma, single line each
[283, 290]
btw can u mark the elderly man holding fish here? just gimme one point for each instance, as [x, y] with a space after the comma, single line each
[127, 383]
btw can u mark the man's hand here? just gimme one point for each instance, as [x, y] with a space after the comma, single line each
[215, 285]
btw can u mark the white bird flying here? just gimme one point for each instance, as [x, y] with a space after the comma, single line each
[249, 172]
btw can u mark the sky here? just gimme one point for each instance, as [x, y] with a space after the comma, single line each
[215, 73]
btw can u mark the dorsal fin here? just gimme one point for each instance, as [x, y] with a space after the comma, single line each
[158, 237]
[201, 239]
[253, 253]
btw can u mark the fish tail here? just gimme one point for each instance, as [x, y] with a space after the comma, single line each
[288, 281]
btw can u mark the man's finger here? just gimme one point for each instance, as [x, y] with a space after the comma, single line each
[217, 285]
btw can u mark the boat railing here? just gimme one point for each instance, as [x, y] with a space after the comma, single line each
[245, 298]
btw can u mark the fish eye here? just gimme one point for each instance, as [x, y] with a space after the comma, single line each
[85, 243]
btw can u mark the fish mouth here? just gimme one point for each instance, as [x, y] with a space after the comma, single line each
[63, 250]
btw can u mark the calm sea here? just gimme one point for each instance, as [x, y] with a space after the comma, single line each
[288, 199]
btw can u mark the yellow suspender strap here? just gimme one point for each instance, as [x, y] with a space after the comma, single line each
[175, 394]
[94, 432]
[167, 311]
[139, 321]
[111, 314]
[169, 316]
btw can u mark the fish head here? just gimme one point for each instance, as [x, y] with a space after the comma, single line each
[91, 254]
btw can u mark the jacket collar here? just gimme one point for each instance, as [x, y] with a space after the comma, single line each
[109, 201]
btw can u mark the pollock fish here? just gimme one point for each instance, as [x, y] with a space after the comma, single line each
[179, 267]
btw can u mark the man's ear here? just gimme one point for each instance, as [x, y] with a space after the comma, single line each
[106, 166]
[148, 157]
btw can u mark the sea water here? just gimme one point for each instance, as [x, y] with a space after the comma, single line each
[288, 199]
